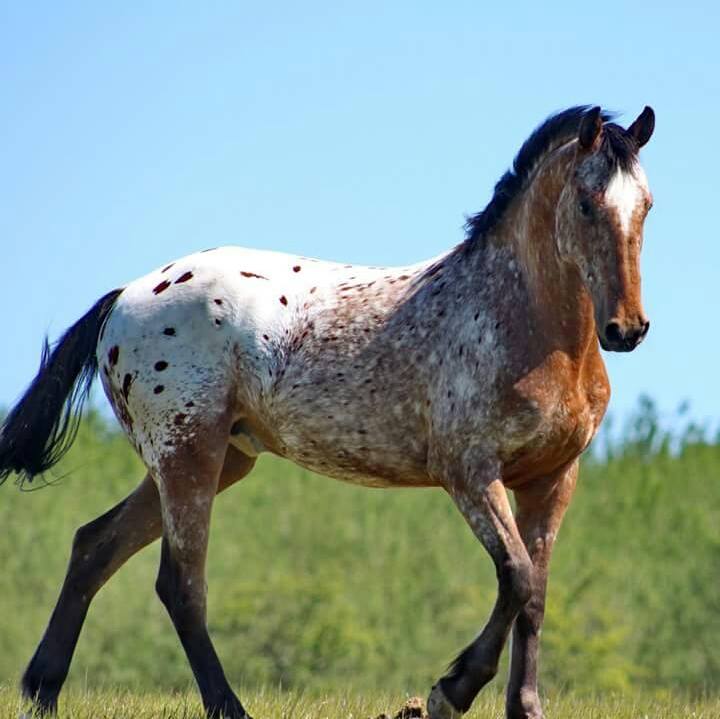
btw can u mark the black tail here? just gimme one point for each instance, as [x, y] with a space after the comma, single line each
[43, 424]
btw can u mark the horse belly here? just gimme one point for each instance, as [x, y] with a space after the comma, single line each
[339, 433]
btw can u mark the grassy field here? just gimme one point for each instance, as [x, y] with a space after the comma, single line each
[321, 587]
[289, 705]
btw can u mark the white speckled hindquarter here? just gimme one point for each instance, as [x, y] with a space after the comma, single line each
[266, 332]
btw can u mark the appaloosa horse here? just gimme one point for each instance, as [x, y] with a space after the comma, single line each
[478, 371]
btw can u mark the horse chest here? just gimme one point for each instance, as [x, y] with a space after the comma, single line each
[568, 412]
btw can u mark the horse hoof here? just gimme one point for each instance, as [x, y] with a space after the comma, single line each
[439, 706]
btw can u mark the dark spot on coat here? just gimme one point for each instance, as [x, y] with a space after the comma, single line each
[283, 300]
[312, 289]
[252, 274]
[297, 268]
[167, 267]
[159, 388]
[184, 277]
[161, 365]
[169, 331]
[190, 404]
[218, 322]
[217, 302]
[161, 287]
[113, 355]
[179, 419]
[265, 337]
[127, 381]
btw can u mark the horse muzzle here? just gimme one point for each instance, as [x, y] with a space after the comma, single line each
[618, 338]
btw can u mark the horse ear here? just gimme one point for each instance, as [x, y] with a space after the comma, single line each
[590, 128]
[642, 128]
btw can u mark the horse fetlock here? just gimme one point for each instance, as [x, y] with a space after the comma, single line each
[229, 708]
[42, 690]
[524, 705]
[439, 706]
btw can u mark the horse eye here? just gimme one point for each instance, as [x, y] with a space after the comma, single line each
[585, 208]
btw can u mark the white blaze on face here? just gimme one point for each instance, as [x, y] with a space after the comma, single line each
[625, 193]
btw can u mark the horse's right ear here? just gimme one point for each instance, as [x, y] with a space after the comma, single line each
[642, 128]
[590, 128]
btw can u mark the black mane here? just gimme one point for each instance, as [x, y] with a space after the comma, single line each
[619, 147]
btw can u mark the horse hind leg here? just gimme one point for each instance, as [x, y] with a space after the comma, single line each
[187, 481]
[99, 549]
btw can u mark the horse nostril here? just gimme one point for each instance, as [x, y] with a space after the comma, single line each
[645, 328]
[613, 333]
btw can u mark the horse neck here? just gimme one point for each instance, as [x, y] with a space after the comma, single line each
[559, 307]
[560, 301]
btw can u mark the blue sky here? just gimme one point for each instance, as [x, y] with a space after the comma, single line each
[133, 133]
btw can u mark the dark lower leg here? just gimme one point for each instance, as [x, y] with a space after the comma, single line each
[489, 515]
[540, 509]
[99, 549]
[186, 606]
[523, 701]
[478, 663]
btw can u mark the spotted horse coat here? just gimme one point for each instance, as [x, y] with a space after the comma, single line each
[477, 371]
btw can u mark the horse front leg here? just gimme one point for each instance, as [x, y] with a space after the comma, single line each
[541, 505]
[481, 498]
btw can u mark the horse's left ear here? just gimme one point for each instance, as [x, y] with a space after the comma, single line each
[642, 128]
[590, 128]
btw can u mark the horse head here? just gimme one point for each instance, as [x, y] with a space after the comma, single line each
[600, 220]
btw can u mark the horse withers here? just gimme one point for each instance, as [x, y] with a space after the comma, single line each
[478, 371]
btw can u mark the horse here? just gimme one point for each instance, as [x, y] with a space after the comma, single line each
[477, 372]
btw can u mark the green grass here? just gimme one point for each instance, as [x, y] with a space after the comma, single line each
[281, 705]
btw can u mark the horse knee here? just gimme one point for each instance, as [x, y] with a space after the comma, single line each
[516, 582]
[530, 619]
